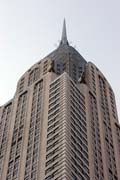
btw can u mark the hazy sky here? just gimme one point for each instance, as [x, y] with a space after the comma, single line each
[31, 29]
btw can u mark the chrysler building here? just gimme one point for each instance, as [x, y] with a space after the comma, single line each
[62, 122]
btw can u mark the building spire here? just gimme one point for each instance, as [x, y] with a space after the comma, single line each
[64, 40]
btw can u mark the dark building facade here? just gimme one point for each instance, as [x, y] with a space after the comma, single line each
[62, 123]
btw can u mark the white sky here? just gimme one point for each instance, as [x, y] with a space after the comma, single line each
[31, 29]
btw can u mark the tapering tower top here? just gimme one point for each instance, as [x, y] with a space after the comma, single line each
[64, 40]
